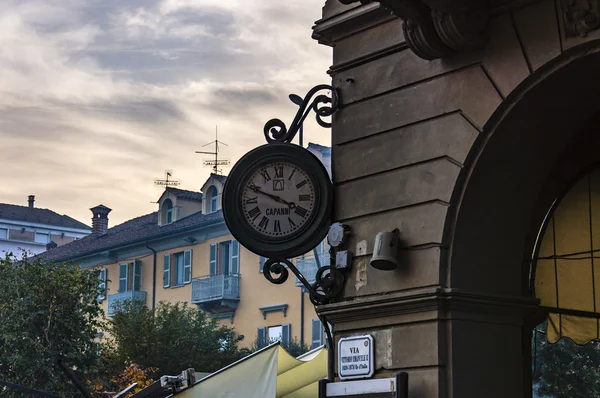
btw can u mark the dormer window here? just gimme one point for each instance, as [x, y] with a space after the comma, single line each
[168, 211]
[214, 197]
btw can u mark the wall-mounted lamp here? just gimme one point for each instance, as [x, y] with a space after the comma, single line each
[385, 251]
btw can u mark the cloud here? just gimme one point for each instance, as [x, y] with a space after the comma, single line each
[99, 97]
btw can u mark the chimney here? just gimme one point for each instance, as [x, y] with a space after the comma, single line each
[51, 245]
[31, 199]
[100, 220]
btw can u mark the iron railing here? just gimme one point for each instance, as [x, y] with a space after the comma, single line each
[117, 298]
[215, 287]
[308, 266]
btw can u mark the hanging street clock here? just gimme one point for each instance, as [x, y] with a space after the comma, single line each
[277, 201]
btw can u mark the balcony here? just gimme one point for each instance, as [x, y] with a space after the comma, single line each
[216, 292]
[308, 266]
[117, 298]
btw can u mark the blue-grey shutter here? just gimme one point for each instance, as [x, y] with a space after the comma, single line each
[213, 259]
[137, 275]
[167, 271]
[317, 333]
[123, 277]
[261, 263]
[187, 266]
[235, 257]
[285, 335]
[261, 338]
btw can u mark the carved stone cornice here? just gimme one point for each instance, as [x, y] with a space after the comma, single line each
[448, 303]
[437, 28]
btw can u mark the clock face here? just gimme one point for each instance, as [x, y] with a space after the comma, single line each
[278, 199]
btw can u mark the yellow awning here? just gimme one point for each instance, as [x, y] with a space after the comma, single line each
[567, 267]
[269, 373]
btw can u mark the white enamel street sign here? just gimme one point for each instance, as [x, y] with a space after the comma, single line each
[355, 357]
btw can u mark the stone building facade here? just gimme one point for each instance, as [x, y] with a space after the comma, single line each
[462, 123]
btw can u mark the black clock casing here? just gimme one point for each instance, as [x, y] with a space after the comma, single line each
[265, 214]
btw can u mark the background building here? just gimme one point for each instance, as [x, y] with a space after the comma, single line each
[184, 252]
[32, 229]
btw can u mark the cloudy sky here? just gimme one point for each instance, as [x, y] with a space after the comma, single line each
[99, 97]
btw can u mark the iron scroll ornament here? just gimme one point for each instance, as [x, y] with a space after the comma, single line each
[329, 281]
[275, 130]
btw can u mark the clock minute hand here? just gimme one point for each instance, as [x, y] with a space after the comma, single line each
[274, 197]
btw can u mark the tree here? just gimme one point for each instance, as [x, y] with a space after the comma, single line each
[47, 312]
[564, 369]
[172, 338]
[293, 347]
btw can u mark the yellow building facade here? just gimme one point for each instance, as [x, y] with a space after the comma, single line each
[184, 252]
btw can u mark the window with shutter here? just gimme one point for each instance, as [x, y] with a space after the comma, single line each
[102, 284]
[285, 335]
[123, 277]
[187, 266]
[261, 338]
[137, 275]
[234, 264]
[167, 271]
[317, 333]
[179, 269]
[213, 259]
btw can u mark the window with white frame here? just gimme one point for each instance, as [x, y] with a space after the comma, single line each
[272, 334]
[225, 258]
[213, 195]
[3, 233]
[168, 211]
[130, 276]
[42, 237]
[177, 269]
[101, 275]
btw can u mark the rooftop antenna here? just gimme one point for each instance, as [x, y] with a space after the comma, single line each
[214, 164]
[167, 182]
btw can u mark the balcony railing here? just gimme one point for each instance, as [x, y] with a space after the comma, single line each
[117, 298]
[215, 287]
[308, 266]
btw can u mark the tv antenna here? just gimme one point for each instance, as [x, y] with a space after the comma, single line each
[216, 162]
[167, 182]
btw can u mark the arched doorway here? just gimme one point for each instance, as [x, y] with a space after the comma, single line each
[539, 141]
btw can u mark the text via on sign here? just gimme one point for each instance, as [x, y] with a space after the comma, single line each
[356, 357]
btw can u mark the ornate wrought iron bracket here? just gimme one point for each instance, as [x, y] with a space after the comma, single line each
[324, 106]
[329, 281]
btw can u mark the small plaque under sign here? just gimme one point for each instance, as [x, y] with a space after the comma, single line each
[355, 357]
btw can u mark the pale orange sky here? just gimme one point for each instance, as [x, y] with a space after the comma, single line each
[99, 97]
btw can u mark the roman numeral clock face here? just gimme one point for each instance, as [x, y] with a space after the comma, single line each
[278, 199]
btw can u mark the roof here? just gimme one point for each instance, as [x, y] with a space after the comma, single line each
[138, 229]
[324, 150]
[38, 216]
[184, 194]
[219, 177]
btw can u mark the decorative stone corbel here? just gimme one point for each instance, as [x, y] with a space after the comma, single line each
[437, 28]
[580, 16]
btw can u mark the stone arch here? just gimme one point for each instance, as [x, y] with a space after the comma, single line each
[530, 148]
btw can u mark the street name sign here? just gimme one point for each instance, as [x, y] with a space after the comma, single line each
[356, 358]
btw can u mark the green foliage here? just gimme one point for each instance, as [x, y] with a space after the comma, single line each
[564, 369]
[172, 338]
[47, 312]
[294, 347]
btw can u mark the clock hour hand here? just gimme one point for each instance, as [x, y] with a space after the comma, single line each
[274, 197]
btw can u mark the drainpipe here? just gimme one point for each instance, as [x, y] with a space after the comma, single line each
[301, 315]
[153, 278]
